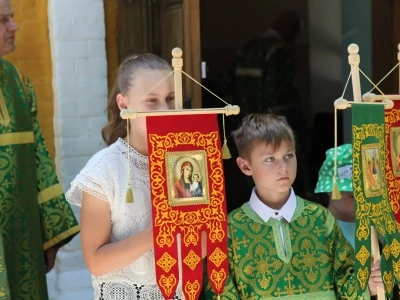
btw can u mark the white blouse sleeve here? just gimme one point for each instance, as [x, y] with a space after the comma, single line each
[92, 180]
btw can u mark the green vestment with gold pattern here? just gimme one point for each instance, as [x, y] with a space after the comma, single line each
[34, 213]
[314, 262]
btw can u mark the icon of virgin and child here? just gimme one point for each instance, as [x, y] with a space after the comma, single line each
[189, 184]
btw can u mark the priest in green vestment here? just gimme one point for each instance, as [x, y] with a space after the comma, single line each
[262, 79]
[35, 218]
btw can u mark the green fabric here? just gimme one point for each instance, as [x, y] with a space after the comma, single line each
[264, 76]
[344, 172]
[370, 192]
[4, 289]
[35, 215]
[320, 264]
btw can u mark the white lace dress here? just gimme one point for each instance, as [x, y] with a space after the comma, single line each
[105, 176]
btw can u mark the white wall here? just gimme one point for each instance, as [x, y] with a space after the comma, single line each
[77, 37]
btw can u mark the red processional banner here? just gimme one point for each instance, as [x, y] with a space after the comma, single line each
[392, 168]
[188, 198]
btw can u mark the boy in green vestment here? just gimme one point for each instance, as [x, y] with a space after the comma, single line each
[35, 219]
[281, 245]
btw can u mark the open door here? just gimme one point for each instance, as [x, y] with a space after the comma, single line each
[180, 27]
[156, 26]
[133, 28]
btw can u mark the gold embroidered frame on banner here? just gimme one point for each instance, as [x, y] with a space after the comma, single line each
[395, 149]
[379, 212]
[198, 162]
[372, 170]
[391, 117]
[168, 218]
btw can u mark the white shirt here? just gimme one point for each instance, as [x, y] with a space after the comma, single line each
[265, 212]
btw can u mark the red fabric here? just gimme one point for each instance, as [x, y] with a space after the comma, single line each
[392, 131]
[178, 137]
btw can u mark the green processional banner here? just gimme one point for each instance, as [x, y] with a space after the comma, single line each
[370, 192]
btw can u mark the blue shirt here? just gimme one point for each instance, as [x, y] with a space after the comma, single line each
[349, 231]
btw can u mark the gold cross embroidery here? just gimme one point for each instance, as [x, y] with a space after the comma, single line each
[290, 289]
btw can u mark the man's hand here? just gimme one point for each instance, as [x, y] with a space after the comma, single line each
[50, 257]
[375, 280]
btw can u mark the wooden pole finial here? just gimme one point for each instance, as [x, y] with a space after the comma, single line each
[177, 52]
[353, 49]
[369, 97]
[341, 103]
[177, 64]
[354, 62]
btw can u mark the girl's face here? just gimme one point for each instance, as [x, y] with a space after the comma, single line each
[161, 97]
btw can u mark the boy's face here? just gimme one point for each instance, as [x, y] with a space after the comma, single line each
[273, 171]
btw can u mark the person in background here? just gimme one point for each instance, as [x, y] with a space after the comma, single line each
[35, 219]
[262, 79]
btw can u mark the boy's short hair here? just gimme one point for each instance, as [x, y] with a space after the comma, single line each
[269, 129]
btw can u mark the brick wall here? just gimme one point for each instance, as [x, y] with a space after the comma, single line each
[77, 37]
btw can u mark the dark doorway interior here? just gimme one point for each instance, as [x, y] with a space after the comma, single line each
[225, 26]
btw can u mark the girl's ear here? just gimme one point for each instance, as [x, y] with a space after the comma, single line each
[122, 102]
[244, 166]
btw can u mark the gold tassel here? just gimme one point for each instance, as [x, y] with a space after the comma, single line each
[219, 298]
[129, 195]
[336, 195]
[226, 154]
[335, 188]
[129, 192]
